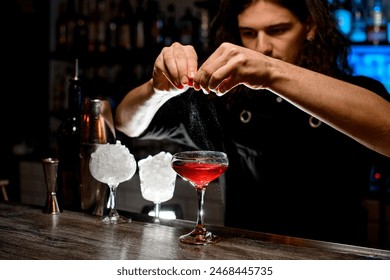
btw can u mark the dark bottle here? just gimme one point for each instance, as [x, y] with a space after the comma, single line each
[189, 29]
[62, 29]
[124, 27]
[68, 147]
[171, 29]
[154, 26]
[80, 32]
[139, 26]
[112, 26]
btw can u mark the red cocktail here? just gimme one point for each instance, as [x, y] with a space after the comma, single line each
[198, 173]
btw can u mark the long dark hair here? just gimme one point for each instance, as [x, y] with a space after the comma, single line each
[327, 53]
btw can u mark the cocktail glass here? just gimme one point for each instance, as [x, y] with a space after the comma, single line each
[112, 164]
[200, 168]
[157, 180]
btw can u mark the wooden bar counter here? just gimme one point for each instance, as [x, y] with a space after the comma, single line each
[27, 234]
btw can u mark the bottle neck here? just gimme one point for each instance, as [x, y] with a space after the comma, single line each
[75, 96]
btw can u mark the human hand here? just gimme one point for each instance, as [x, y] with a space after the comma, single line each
[229, 66]
[175, 68]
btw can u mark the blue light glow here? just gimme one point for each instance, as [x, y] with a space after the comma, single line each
[372, 61]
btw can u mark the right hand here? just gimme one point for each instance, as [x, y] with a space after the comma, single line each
[175, 68]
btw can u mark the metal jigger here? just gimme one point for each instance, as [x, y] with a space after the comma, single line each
[50, 168]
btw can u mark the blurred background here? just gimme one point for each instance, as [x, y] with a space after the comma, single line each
[116, 42]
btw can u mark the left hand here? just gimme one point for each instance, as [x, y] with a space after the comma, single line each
[229, 66]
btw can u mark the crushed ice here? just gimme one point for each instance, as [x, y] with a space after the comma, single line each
[157, 177]
[112, 163]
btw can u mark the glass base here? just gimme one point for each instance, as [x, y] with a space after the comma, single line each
[115, 219]
[196, 237]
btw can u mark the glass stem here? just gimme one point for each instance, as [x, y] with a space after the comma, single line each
[199, 221]
[112, 199]
[157, 207]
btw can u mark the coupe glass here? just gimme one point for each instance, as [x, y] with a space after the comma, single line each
[200, 168]
[157, 180]
[112, 164]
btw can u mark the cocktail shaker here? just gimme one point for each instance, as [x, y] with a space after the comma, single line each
[96, 128]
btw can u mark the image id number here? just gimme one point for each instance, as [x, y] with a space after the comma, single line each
[246, 270]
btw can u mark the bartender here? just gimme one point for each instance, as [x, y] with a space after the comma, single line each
[301, 132]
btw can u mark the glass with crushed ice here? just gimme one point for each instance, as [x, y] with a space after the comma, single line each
[157, 180]
[113, 164]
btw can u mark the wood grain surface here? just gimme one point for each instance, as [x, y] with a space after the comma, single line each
[27, 234]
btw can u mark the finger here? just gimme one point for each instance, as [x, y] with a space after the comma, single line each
[225, 86]
[168, 66]
[226, 77]
[201, 79]
[212, 73]
[180, 64]
[192, 66]
[161, 81]
[215, 61]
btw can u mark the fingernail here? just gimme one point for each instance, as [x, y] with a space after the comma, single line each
[184, 80]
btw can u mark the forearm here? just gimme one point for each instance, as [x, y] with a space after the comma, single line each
[353, 110]
[138, 107]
